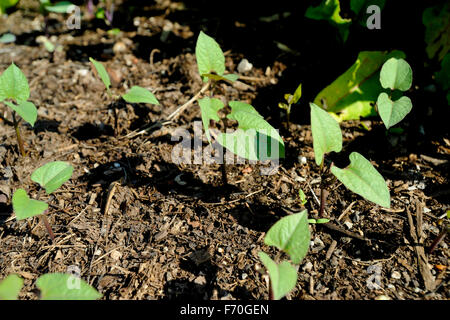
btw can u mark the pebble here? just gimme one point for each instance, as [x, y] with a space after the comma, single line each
[396, 275]
[391, 286]
[244, 66]
[348, 224]
[302, 159]
[307, 267]
[200, 280]
[244, 276]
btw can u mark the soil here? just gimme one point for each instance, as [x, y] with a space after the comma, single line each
[139, 226]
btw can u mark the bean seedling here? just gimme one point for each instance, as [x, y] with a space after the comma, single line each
[360, 176]
[291, 235]
[290, 100]
[52, 286]
[14, 87]
[255, 138]
[135, 95]
[50, 177]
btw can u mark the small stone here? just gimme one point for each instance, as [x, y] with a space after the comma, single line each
[302, 159]
[348, 224]
[200, 280]
[244, 276]
[391, 286]
[244, 66]
[119, 47]
[116, 255]
[307, 267]
[396, 275]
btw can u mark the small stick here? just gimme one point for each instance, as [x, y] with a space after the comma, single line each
[438, 240]
[175, 114]
[19, 138]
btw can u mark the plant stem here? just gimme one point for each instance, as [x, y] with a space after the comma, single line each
[271, 297]
[323, 192]
[438, 240]
[47, 226]
[175, 114]
[19, 138]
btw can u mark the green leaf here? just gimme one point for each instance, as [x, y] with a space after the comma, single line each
[24, 207]
[302, 196]
[102, 73]
[52, 175]
[209, 108]
[392, 112]
[330, 10]
[353, 94]
[14, 84]
[5, 4]
[140, 95]
[210, 57]
[290, 234]
[363, 179]
[7, 38]
[10, 287]
[326, 133]
[27, 110]
[297, 94]
[283, 276]
[62, 286]
[60, 7]
[437, 30]
[255, 138]
[396, 74]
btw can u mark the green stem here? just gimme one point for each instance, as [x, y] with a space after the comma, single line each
[19, 138]
[323, 193]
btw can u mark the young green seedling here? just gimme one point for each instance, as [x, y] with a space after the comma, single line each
[135, 95]
[14, 92]
[302, 197]
[291, 235]
[50, 177]
[290, 100]
[360, 176]
[396, 74]
[52, 286]
[255, 138]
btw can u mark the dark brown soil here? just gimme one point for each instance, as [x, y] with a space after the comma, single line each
[173, 231]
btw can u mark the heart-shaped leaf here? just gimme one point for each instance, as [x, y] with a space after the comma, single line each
[10, 287]
[392, 112]
[209, 108]
[396, 74]
[290, 234]
[24, 207]
[210, 57]
[62, 286]
[52, 175]
[102, 73]
[362, 178]
[255, 138]
[326, 133]
[14, 84]
[26, 109]
[283, 276]
[140, 95]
